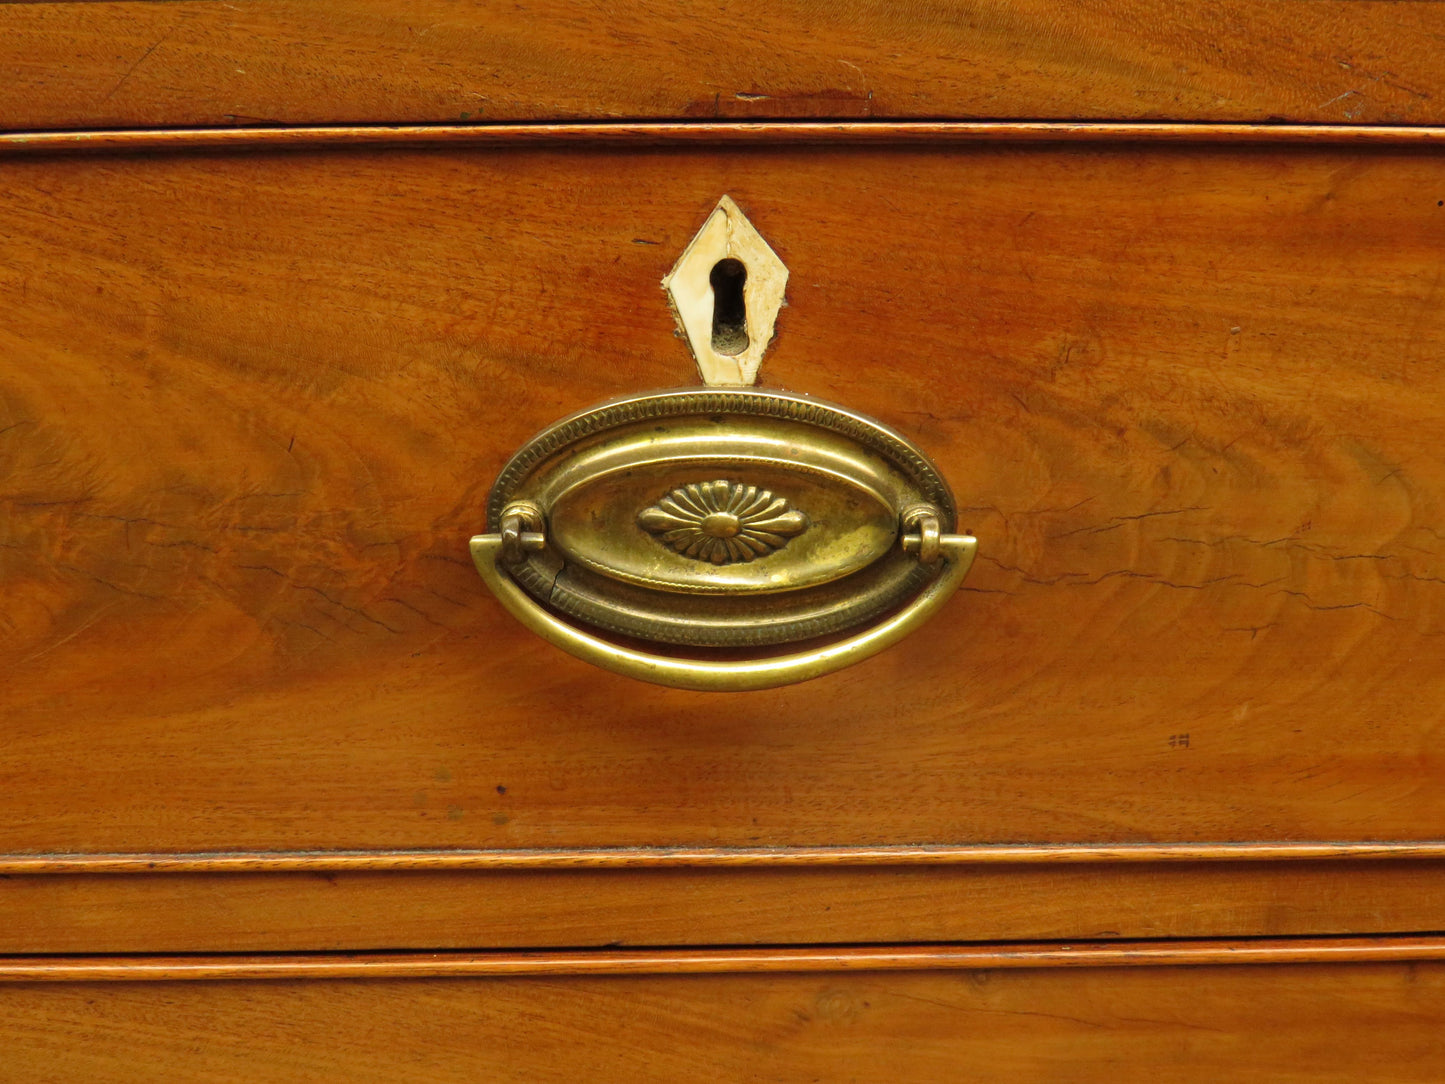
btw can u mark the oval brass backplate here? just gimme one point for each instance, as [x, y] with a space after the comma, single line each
[704, 518]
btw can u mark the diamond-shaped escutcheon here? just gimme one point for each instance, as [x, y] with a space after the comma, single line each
[726, 290]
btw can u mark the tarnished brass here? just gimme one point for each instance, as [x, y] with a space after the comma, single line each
[721, 519]
[521, 531]
[921, 532]
[729, 675]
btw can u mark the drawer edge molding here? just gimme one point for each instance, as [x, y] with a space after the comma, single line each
[676, 857]
[711, 134]
[972, 957]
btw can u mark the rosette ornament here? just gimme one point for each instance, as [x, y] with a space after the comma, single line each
[722, 521]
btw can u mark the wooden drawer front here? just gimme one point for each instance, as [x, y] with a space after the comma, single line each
[768, 903]
[103, 64]
[1191, 398]
[1315, 1023]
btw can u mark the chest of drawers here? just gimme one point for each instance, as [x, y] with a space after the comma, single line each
[287, 795]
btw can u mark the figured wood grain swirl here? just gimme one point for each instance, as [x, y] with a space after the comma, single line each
[1190, 398]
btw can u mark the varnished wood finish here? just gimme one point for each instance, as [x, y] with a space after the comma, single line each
[712, 134]
[1338, 1024]
[262, 728]
[68, 65]
[1188, 397]
[724, 905]
[712, 961]
[710, 857]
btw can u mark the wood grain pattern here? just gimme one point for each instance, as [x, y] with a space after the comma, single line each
[714, 961]
[1190, 398]
[652, 858]
[711, 134]
[240, 912]
[1315, 1023]
[65, 65]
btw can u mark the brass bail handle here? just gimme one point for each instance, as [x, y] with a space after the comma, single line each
[721, 538]
[523, 532]
[750, 523]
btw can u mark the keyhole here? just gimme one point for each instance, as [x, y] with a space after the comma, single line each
[729, 310]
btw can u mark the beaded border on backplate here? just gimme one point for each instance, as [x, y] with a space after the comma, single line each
[567, 594]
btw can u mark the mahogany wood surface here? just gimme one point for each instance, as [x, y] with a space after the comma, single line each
[1190, 399]
[240, 912]
[654, 858]
[713, 134]
[261, 726]
[1302, 1023]
[69, 65]
[715, 961]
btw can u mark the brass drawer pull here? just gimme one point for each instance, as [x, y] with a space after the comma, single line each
[729, 522]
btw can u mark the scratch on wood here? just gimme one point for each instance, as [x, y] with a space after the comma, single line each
[139, 61]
